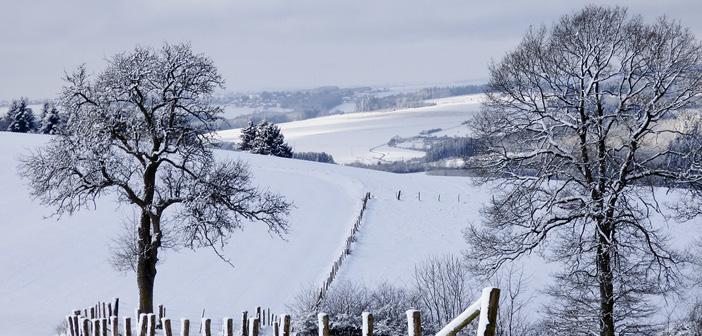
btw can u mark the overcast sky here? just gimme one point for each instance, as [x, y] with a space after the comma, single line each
[285, 44]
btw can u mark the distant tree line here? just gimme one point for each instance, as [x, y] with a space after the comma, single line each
[452, 147]
[20, 118]
[314, 156]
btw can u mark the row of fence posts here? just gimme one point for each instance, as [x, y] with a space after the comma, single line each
[96, 321]
[347, 249]
[414, 323]
[419, 196]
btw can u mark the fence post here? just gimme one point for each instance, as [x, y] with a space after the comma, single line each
[184, 327]
[244, 323]
[142, 325]
[489, 301]
[367, 324]
[166, 323]
[414, 323]
[86, 327]
[103, 321]
[160, 317]
[127, 326]
[96, 327]
[69, 320]
[152, 324]
[286, 325]
[253, 326]
[114, 321]
[323, 324]
[275, 328]
[116, 310]
[228, 326]
[206, 327]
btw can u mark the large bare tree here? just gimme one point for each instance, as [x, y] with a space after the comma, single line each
[582, 121]
[141, 130]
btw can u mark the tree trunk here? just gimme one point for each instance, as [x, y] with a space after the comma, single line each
[146, 265]
[605, 279]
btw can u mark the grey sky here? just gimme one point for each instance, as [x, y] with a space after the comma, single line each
[285, 44]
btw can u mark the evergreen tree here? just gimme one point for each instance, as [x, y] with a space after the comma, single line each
[50, 120]
[248, 134]
[270, 141]
[20, 117]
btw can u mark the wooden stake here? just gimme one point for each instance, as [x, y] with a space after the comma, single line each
[206, 327]
[166, 323]
[127, 326]
[323, 324]
[103, 321]
[228, 326]
[143, 325]
[114, 322]
[367, 320]
[414, 323]
[96, 327]
[275, 328]
[184, 327]
[86, 327]
[286, 325]
[488, 311]
[116, 311]
[69, 322]
[254, 325]
[244, 323]
[152, 324]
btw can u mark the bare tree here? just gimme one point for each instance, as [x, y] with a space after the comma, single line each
[141, 130]
[579, 125]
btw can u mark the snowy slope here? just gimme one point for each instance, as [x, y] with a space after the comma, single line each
[49, 267]
[361, 136]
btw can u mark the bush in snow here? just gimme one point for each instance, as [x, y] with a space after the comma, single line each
[264, 138]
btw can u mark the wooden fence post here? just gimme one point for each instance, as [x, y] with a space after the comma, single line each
[127, 326]
[228, 326]
[160, 317]
[323, 324]
[142, 325]
[69, 321]
[114, 323]
[253, 326]
[116, 310]
[166, 324]
[184, 327]
[206, 327]
[92, 313]
[86, 327]
[286, 325]
[103, 321]
[244, 323]
[488, 311]
[96, 327]
[275, 328]
[367, 324]
[414, 323]
[152, 324]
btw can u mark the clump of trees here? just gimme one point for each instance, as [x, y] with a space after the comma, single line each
[20, 118]
[569, 126]
[451, 148]
[141, 129]
[314, 156]
[264, 138]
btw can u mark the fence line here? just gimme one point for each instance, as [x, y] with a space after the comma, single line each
[347, 249]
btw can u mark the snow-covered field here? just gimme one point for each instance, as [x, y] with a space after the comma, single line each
[363, 136]
[49, 267]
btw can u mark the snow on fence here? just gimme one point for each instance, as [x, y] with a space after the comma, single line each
[485, 309]
[106, 322]
[347, 249]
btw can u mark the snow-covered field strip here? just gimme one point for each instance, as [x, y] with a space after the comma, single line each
[350, 137]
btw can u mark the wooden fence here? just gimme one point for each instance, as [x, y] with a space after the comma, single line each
[485, 309]
[347, 249]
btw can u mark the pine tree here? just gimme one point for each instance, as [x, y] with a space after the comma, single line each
[20, 117]
[269, 140]
[51, 119]
[248, 134]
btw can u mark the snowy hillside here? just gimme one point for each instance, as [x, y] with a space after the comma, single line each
[50, 267]
[364, 136]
